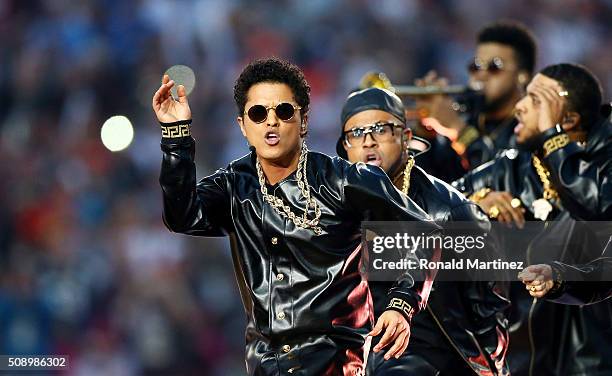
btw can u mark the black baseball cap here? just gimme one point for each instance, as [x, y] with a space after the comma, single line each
[372, 98]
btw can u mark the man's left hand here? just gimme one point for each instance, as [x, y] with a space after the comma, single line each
[397, 332]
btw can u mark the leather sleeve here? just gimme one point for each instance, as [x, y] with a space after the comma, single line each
[480, 151]
[190, 208]
[583, 284]
[371, 196]
[584, 182]
[484, 297]
[480, 177]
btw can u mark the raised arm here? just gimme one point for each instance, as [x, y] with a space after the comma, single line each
[581, 176]
[196, 209]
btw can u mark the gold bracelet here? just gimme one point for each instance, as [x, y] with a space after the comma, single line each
[467, 135]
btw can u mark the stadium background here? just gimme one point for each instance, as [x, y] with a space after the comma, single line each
[86, 266]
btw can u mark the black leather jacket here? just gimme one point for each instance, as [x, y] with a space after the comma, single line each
[584, 284]
[463, 316]
[497, 136]
[581, 176]
[443, 161]
[546, 338]
[305, 300]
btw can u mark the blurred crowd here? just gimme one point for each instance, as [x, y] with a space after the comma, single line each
[87, 267]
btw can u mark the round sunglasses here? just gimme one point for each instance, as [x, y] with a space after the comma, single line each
[284, 111]
[495, 65]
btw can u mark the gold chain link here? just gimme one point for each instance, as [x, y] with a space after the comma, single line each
[544, 174]
[284, 210]
[407, 171]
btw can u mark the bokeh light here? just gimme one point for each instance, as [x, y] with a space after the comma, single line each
[117, 133]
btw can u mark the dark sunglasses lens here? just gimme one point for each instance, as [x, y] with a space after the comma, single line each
[473, 67]
[284, 111]
[495, 66]
[258, 113]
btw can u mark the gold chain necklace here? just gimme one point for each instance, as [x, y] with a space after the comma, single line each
[284, 210]
[542, 207]
[544, 174]
[407, 171]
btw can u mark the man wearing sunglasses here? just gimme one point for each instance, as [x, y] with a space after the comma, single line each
[442, 340]
[294, 220]
[561, 175]
[501, 68]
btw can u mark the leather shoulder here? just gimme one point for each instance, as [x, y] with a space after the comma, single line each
[441, 200]
[244, 164]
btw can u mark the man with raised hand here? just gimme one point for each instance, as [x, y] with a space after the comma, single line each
[293, 218]
[503, 64]
[561, 175]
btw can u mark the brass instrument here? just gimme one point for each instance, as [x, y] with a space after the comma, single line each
[379, 79]
[467, 100]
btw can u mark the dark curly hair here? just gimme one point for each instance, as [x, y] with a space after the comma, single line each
[515, 35]
[584, 90]
[272, 70]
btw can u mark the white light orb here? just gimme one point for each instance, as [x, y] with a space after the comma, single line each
[117, 133]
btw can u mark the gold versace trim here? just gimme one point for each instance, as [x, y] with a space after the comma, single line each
[402, 305]
[176, 131]
[555, 143]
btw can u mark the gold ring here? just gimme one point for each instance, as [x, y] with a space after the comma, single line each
[515, 203]
[493, 212]
[532, 288]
